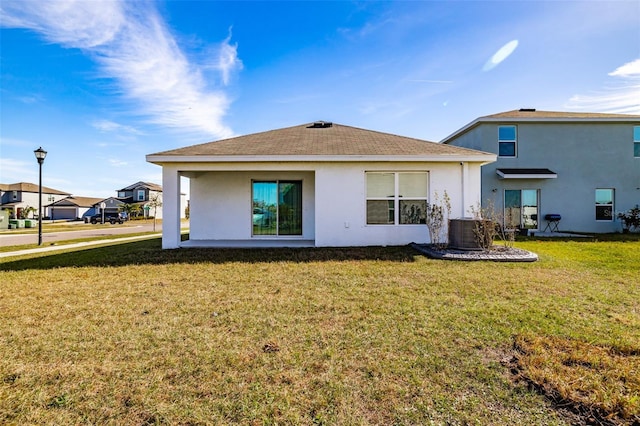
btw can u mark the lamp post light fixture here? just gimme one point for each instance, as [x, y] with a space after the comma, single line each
[40, 154]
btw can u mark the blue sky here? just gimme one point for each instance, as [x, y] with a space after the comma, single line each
[100, 84]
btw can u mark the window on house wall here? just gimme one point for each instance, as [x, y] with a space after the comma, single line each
[122, 194]
[14, 195]
[141, 194]
[604, 204]
[521, 208]
[507, 141]
[277, 208]
[636, 141]
[396, 198]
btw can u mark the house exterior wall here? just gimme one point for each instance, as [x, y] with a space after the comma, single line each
[29, 199]
[334, 203]
[221, 203]
[341, 202]
[586, 156]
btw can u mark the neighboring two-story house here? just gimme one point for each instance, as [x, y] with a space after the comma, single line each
[17, 197]
[143, 194]
[582, 168]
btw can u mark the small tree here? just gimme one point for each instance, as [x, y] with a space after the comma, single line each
[25, 212]
[155, 201]
[437, 217]
[491, 224]
[484, 230]
[127, 209]
[631, 219]
[136, 209]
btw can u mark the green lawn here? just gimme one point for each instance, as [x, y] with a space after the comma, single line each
[131, 334]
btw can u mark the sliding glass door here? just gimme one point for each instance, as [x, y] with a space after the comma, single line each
[521, 208]
[277, 208]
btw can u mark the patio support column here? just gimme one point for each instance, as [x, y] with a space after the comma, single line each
[170, 207]
[464, 188]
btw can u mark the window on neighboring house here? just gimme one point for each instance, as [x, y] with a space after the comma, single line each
[122, 194]
[521, 208]
[396, 198]
[604, 204]
[141, 194]
[277, 208]
[14, 195]
[636, 141]
[507, 141]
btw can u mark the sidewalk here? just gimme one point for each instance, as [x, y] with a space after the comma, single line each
[57, 247]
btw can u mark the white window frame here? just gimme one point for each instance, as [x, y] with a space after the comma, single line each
[396, 198]
[513, 141]
[612, 204]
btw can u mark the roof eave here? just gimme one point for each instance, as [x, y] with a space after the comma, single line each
[494, 120]
[475, 158]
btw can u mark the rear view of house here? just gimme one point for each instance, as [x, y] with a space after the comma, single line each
[570, 170]
[318, 184]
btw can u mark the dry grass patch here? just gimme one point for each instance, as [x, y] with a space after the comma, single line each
[600, 383]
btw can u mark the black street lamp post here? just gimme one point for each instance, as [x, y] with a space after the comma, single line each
[40, 154]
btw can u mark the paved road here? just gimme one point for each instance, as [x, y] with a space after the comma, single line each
[12, 238]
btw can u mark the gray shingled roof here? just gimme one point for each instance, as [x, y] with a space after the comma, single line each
[533, 116]
[30, 187]
[528, 113]
[307, 140]
[77, 201]
[148, 185]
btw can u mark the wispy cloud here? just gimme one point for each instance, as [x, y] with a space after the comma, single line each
[629, 69]
[111, 126]
[620, 95]
[418, 80]
[14, 170]
[116, 162]
[503, 53]
[133, 45]
[224, 59]
[29, 100]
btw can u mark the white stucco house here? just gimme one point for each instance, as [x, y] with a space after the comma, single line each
[570, 170]
[314, 185]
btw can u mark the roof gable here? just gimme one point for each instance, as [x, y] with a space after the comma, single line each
[530, 115]
[146, 185]
[332, 140]
[30, 187]
[77, 201]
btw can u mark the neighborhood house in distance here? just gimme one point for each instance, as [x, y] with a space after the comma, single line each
[20, 200]
[573, 171]
[314, 185]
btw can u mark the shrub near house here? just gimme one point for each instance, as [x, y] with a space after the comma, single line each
[630, 219]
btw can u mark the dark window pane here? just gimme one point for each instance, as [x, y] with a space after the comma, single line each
[413, 211]
[604, 212]
[290, 208]
[636, 149]
[507, 149]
